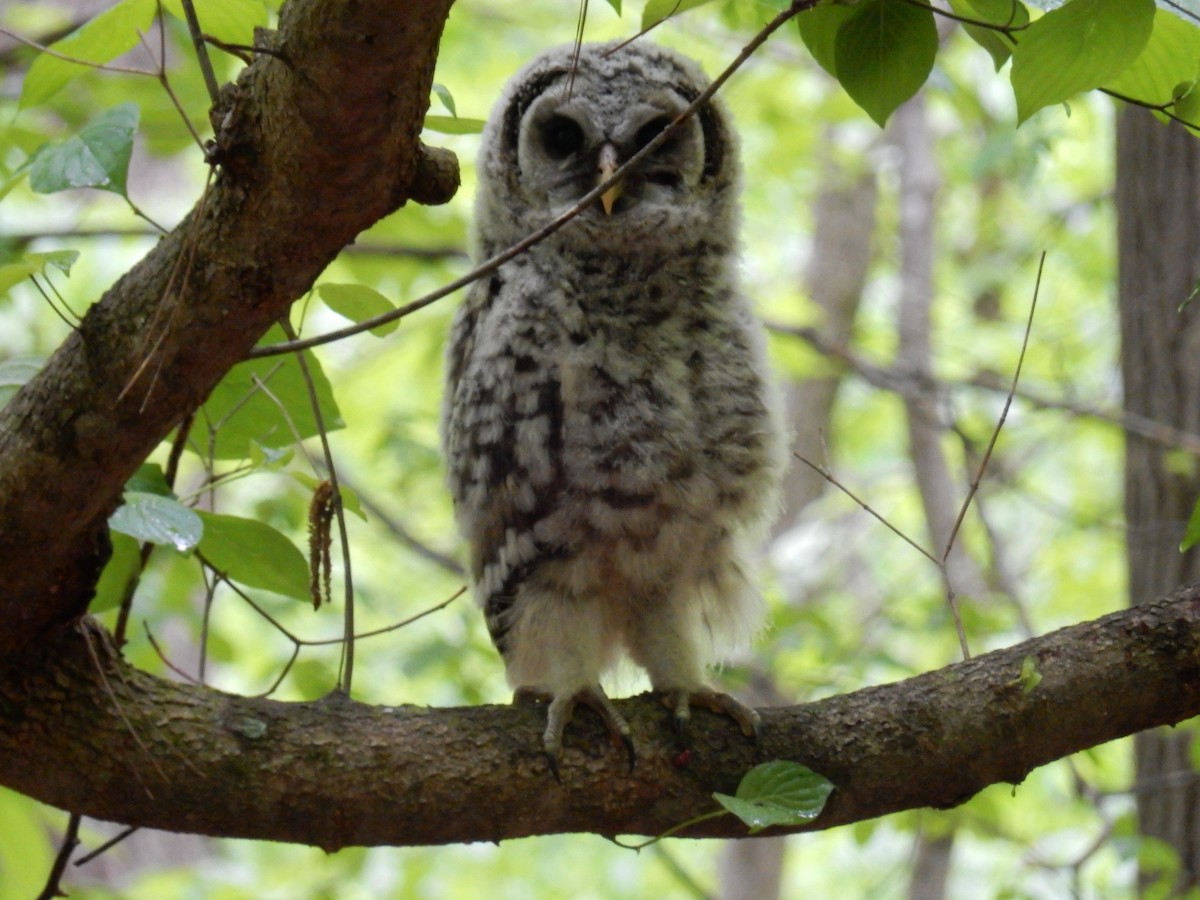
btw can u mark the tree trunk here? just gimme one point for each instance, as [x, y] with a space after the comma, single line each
[1158, 215]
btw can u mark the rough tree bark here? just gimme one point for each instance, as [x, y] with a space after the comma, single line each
[1158, 216]
[322, 134]
[81, 730]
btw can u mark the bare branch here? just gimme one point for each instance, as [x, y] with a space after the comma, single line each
[282, 773]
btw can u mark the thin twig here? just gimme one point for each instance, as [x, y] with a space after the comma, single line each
[166, 82]
[828, 476]
[69, 842]
[104, 67]
[112, 695]
[1006, 30]
[169, 474]
[910, 384]
[398, 530]
[106, 846]
[210, 79]
[987, 453]
[339, 512]
[45, 296]
[190, 679]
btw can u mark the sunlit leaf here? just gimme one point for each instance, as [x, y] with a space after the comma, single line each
[97, 157]
[254, 554]
[1079, 46]
[231, 21]
[1191, 534]
[1030, 677]
[778, 793]
[884, 53]
[157, 519]
[265, 401]
[1171, 56]
[36, 264]
[819, 28]
[357, 302]
[443, 93]
[149, 479]
[453, 125]
[120, 569]
[100, 40]
[1005, 13]
[350, 501]
[657, 10]
[1187, 108]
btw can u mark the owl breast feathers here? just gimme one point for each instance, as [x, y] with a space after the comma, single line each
[608, 426]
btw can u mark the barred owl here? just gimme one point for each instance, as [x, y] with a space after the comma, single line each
[608, 427]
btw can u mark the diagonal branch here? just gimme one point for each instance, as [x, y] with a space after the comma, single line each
[317, 141]
[336, 773]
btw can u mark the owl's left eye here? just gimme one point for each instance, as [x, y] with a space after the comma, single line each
[650, 131]
[561, 137]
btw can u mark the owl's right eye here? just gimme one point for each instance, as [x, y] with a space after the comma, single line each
[561, 137]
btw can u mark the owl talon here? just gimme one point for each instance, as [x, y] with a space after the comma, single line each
[562, 708]
[679, 702]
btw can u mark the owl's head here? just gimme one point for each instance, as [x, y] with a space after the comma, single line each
[564, 123]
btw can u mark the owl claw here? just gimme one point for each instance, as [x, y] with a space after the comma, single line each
[562, 708]
[680, 701]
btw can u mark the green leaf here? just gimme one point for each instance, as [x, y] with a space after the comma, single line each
[1187, 108]
[231, 21]
[658, 10]
[97, 157]
[36, 264]
[157, 519]
[350, 501]
[121, 568]
[25, 854]
[443, 94]
[778, 793]
[100, 40]
[884, 53]
[453, 125]
[357, 302]
[1171, 57]
[1030, 677]
[242, 414]
[1077, 47]
[819, 28]
[254, 554]
[149, 479]
[1191, 534]
[15, 372]
[1007, 13]
[615, 4]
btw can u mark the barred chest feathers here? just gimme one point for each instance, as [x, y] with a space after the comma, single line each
[609, 429]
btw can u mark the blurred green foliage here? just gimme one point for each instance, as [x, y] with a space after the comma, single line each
[852, 604]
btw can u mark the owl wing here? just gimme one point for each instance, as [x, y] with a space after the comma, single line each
[504, 441]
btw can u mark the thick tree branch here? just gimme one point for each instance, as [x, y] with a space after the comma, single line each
[316, 142]
[118, 744]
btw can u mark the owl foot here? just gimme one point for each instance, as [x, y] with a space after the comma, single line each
[562, 708]
[680, 701]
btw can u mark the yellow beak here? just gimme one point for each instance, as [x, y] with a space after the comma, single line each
[607, 165]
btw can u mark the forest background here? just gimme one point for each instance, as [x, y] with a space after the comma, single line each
[896, 269]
